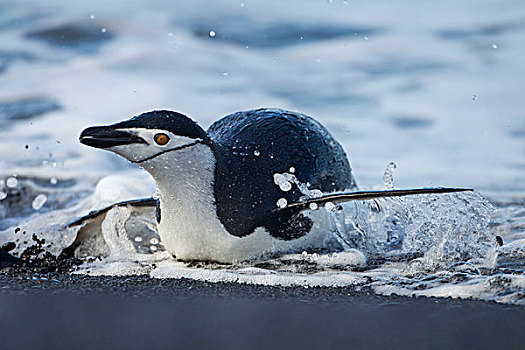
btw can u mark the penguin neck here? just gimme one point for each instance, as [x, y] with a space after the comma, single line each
[185, 177]
[189, 226]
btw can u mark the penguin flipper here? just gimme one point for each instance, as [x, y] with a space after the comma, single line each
[142, 202]
[338, 198]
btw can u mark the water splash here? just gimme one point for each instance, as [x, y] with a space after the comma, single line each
[434, 245]
[285, 181]
[430, 231]
[388, 176]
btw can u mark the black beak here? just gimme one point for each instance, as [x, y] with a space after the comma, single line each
[106, 137]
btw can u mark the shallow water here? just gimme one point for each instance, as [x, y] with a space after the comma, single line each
[435, 87]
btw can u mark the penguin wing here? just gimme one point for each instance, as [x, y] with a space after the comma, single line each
[142, 202]
[338, 198]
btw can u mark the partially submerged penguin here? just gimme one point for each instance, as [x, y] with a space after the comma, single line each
[243, 187]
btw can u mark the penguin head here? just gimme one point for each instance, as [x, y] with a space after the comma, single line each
[147, 135]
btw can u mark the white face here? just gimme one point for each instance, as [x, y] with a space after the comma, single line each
[158, 142]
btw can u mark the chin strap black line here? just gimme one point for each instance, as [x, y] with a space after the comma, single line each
[169, 150]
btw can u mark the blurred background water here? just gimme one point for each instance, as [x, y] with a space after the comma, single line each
[435, 87]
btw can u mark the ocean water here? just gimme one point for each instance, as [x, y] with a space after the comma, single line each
[435, 87]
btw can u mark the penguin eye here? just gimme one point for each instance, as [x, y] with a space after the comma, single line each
[161, 139]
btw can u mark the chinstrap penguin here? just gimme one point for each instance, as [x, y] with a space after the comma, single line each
[239, 189]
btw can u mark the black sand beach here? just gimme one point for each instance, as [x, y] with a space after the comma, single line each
[60, 311]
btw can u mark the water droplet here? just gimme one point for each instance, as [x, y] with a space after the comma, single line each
[53, 181]
[256, 153]
[154, 240]
[313, 206]
[3, 195]
[285, 186]
[494, 46]
[153, 248]
[292, 170]
[92, 16]
[103, 30]
[11, 182]
[282, 202]
[301, 38]
[282, 181]
[138, 239]
[212, 33]
[474, 97]
[170, 34]
[366, 37]
[134, 90]
[225, 74]
[39, 201]
[388, 176]
[329, 1]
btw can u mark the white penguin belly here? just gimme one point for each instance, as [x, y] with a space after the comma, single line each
[192, 235]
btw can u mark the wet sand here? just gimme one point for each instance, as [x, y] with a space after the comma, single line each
[61, 311]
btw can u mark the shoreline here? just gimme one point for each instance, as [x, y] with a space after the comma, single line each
[139, 312]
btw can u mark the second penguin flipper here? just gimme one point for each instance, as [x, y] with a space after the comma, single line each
[142, 202]
[89, 239]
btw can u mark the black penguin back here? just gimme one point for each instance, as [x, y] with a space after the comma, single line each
[251, 147]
